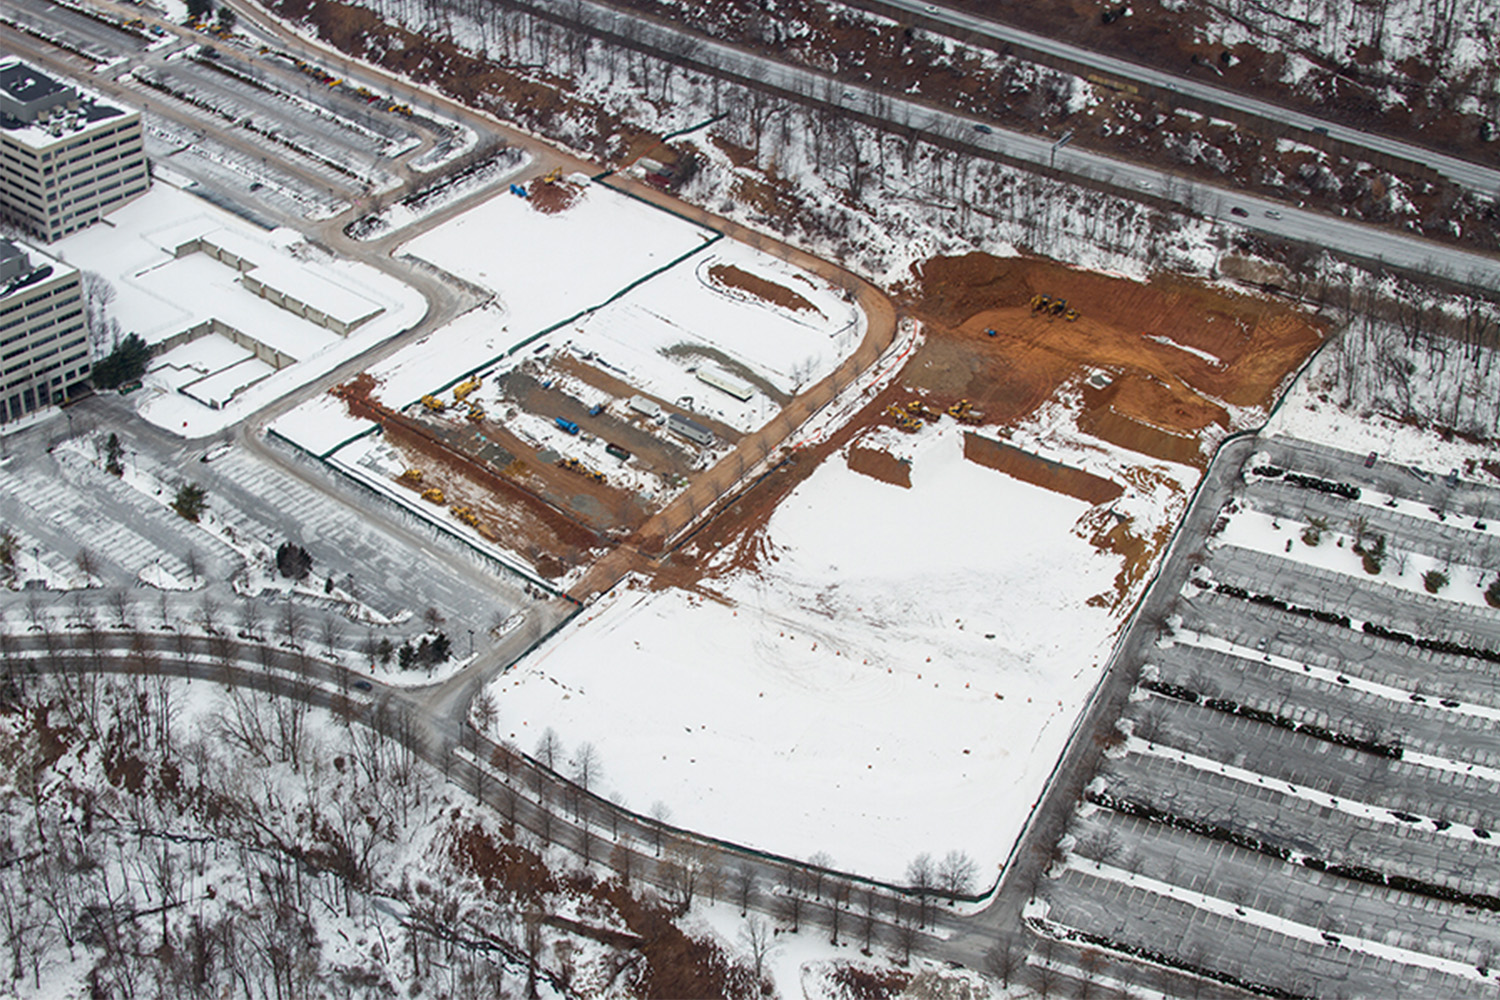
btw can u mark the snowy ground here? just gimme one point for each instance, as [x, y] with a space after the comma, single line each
[898, 679]
[544, 268]
[159, 295]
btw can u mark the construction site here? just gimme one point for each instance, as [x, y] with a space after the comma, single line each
[561, 458]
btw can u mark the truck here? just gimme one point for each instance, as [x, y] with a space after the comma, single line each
[613, 449]
[565, 425]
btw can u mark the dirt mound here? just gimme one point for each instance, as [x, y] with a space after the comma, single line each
[551, 199]
[762, 288]
[881, 465]
[1107, 424]
[951, 289]
[358, 396]
[1039, 471]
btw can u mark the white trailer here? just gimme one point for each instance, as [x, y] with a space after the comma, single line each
[649, 407]
[725, 382]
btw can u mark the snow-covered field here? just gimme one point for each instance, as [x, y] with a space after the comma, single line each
[547, 267]
[898, 678]
[159, 295]
[659, 333]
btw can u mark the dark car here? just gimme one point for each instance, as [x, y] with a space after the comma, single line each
[983, 128]
[363, 685]
[1370, 460]
[1239, 211]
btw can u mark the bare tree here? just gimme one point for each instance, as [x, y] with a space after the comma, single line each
[760, 942]
[586, 766]
[744, 887]
[921, 875]
[549, 748]
[483, 711]
[119, 600]
[1001, 962]
[956, 873]
[208, 615]
[88, 565]
[1101, 847]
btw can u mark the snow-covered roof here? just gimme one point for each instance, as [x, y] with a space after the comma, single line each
[39, 110]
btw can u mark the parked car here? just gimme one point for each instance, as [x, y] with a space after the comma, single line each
[1370, 460]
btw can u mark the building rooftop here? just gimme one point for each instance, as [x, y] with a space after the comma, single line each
[22, 265]
[39, 109]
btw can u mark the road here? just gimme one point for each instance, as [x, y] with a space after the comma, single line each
[1368, 244]
[1475, 176]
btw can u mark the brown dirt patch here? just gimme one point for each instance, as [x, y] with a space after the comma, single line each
[510, 509]
[1174, 348]
[554, 198]
[762, 288]
[881, 465]
[1039, 471]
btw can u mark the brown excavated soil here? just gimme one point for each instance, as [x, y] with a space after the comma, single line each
[1039, 471]
[1160, 400]
[1144, 335]
[551, 199]
[881, 465]
[762, 288]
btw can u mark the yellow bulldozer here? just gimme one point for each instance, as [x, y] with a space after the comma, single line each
[434, 495]
[434, 404]
[411, 477]
[465, 388]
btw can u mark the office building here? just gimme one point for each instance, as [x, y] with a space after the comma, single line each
[67, 156]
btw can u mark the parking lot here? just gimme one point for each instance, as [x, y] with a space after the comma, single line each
[1301, 797]
[375, 572]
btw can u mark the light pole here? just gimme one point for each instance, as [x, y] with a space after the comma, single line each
[1062, 141]
[471, 642]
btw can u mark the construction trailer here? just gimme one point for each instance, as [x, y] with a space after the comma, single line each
[649, 407]
[690, 429]
[725, 382]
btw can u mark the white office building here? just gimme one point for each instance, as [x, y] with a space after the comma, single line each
[67, 155]
[44, 342]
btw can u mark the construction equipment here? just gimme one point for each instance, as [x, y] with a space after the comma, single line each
[476, 412]
[921, 410]
[434, 495]
[434, 404]
[465, 388]
[1040, 302]
[411, 477]
[465, 515]
[567, 426]
[1071, 315]
[903, 420]
[1058, 307]
[553, 177]
[963, 411]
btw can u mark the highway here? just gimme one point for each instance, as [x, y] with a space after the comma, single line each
[1463, 172]
[1368, 244]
